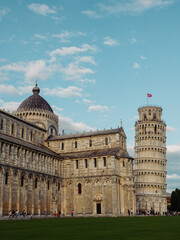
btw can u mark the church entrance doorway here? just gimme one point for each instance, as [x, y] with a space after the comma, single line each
[98, 208]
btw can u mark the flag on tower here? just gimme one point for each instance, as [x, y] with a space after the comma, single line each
[149, 95]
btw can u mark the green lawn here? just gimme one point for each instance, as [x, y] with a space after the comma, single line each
[93, 228]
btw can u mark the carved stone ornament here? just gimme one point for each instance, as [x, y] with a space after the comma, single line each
[98, 197]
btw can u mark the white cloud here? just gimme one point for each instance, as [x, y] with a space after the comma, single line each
[11, 90]
[58, 18]
[34, 70]
[87, 59]
[134, 6]
[86, 80]
[171, 129]
[87, 101]
[130, 150]
[4, 12]
[57, 108]
[75, 72]
[98, 108]
[68, 124]
[143, 57]
[41, 9]
[3, 60]
[3, 77]
[65, 51]
[173, 176]
[40, 36]
[70, 91]
[9, 106]
[173, 148]
[110, 42]
[64, 36]
[91, 14]
[136, 65]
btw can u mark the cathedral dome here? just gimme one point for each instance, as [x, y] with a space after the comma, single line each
[35, 102]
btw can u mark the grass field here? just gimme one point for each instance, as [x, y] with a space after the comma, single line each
[93, 228]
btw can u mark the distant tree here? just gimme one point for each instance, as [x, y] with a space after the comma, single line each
[175, 200]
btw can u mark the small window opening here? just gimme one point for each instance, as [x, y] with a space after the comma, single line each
[104, 159]
[90, 143]
[35, 183]
[6, 178]
[12, 129]
[79, 188]
[95, 162]
[106, 141]
[62, 146]
[1, 124]
[77, 165]
[22, 180]
[22, 133]
[76, 144]
[86, 165]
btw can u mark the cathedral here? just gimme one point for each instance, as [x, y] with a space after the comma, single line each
[90, 173]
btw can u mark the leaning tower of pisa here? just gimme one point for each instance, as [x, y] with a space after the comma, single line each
[150, 160]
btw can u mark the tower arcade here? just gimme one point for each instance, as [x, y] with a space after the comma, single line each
[150, 160]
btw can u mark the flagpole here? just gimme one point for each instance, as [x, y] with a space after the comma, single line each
[147, 99]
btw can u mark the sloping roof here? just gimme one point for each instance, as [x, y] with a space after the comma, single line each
[91, 153]
[125, 155]
[28, 145]
[97, 153]
[86, 134]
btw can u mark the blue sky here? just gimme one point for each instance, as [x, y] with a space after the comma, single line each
[95, 62]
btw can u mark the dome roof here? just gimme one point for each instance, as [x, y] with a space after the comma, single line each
[35, 102]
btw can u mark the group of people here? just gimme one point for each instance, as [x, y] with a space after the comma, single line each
[150, 212]
[15, 214]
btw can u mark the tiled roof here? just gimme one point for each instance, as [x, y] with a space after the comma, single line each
[86, 134]
[28, 145]
[96, 153]
[35, 101]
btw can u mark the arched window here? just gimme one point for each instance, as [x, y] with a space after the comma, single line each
[79, 188]
[154, 116]
[145, 117]
[75, 144]
[106, 141]
[62, 146]
[90, 143]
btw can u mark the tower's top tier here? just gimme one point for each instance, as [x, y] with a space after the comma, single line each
[150, 113]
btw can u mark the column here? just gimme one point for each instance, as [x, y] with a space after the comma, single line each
[1, 190]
